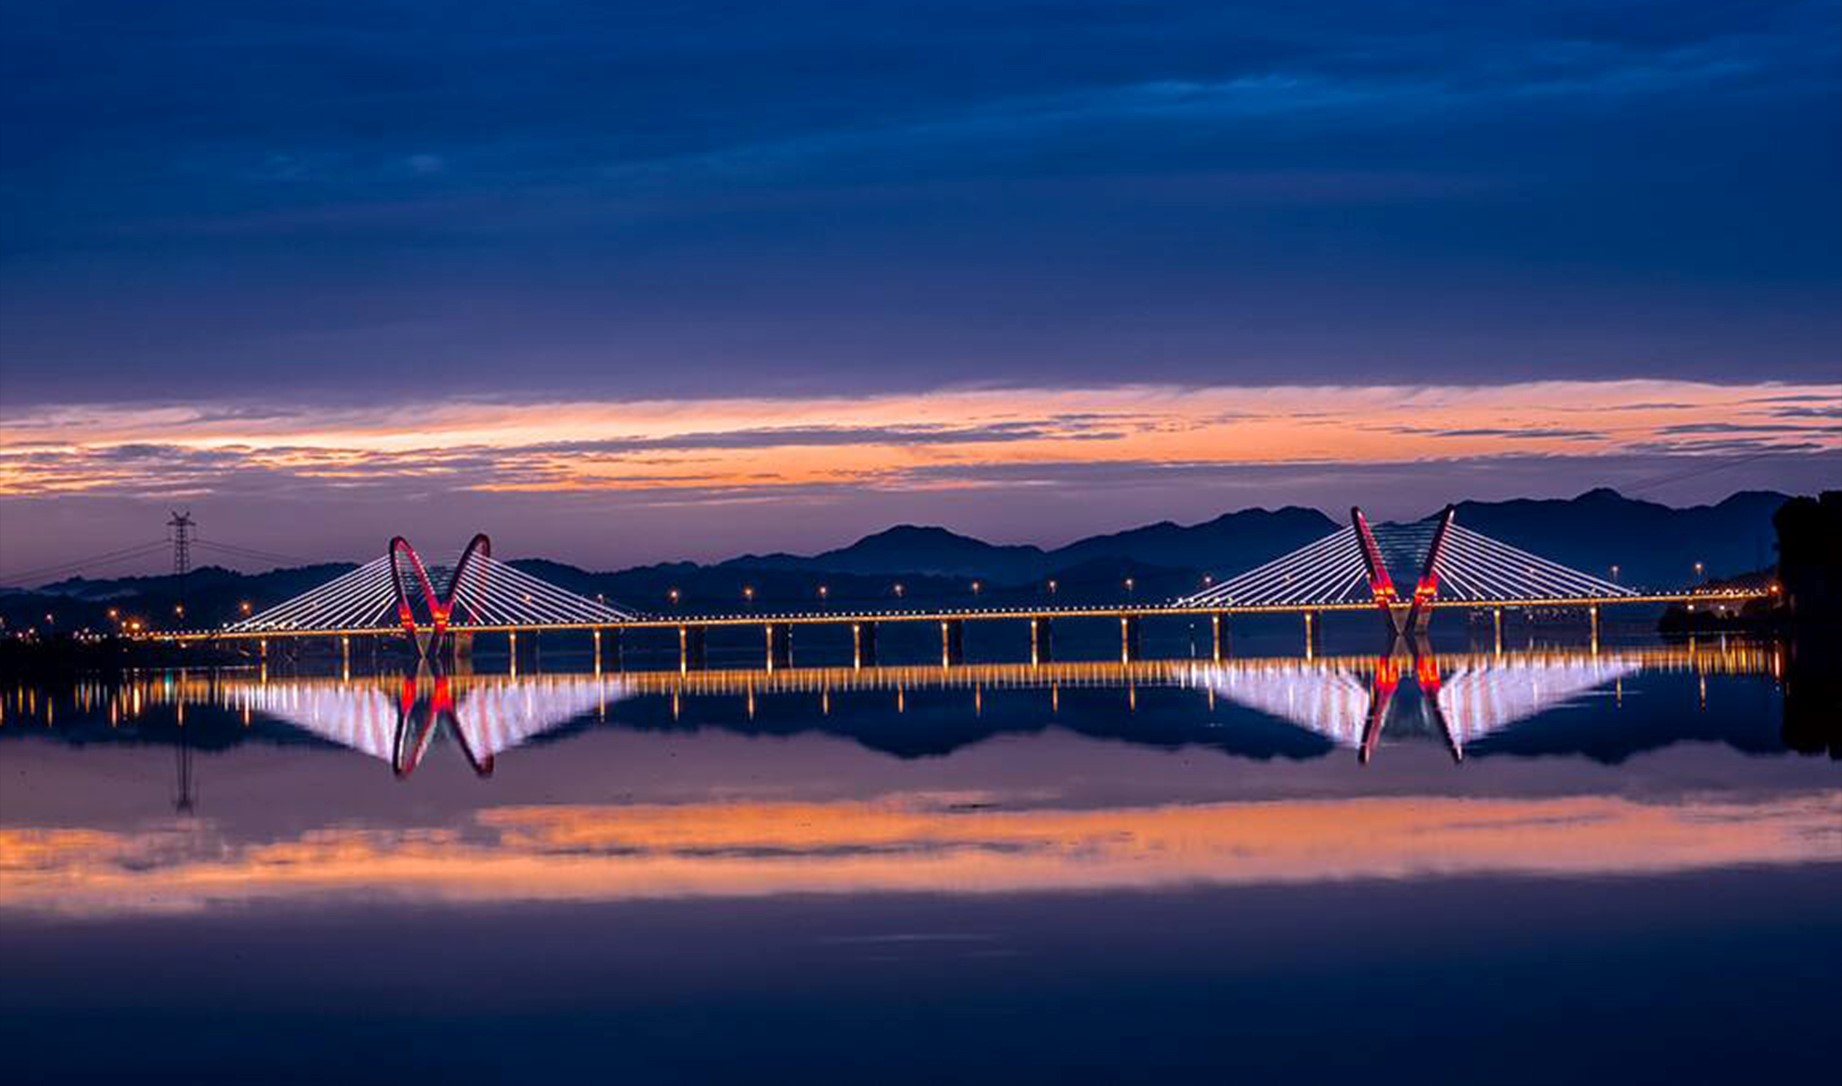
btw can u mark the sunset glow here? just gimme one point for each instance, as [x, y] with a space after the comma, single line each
[950, 439]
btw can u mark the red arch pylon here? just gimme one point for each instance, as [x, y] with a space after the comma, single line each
[440, 609]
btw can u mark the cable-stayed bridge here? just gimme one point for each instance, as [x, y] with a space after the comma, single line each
[1402, 572]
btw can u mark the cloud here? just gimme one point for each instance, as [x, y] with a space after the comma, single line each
[1533, 433]
[987, 440]
[1747, 428]
[307, 207]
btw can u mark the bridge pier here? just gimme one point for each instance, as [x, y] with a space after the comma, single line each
[779, 637]
[1218, 636]
[863, 644]
[1130, 642]
[693, 647]
[606, 649]
[1042, 640]
[1311, 634]
[952, 642]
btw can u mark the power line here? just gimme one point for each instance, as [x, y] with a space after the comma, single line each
[76, 564]
[1707, 469]
[246, 552]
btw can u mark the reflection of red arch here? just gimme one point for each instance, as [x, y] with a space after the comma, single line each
[414, 735]
[1381, 695]
[412, 742]
[440, 610]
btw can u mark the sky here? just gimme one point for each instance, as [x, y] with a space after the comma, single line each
[623, 283]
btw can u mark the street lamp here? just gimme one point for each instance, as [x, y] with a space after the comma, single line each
[672, 595]
[1129, 583]
[899, 590]
[1698, 569]
[1614, 571]
[824, 592]
[1052, 586]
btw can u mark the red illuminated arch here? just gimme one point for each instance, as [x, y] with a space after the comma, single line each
[440, 609]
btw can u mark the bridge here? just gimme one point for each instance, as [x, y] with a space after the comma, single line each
[1403, 573]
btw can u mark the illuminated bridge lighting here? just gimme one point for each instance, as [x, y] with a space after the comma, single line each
[479, 592]
[1330, 698]
[1350, 566]
[1485, 696]
[396, 720]
[1447, 564]
[1467, 697]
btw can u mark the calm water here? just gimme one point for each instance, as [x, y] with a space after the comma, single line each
[1485, 866]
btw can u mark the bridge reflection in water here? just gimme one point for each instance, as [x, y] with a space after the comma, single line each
[1351, 701]
[396, 720]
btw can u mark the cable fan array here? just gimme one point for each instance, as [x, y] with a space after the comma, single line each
[490, 594]
[1471, 568]
[363, 599]
[1475, 567]
[1325, 572]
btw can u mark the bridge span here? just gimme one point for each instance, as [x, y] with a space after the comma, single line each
[1437, 564]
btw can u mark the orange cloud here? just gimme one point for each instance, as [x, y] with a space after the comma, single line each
[928, 440]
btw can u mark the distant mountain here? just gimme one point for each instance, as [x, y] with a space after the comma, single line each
[1652, 545]
[909, 548]
[208, 596]
[1229, 543]
[1224, 546]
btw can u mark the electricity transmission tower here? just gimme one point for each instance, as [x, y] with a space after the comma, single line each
[182, 525]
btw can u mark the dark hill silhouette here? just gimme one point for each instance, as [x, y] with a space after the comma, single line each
[1227, 544]
[1654, 545]
[910, 548]
[1224, 546]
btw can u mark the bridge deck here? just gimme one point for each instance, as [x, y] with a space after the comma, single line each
[993, 614]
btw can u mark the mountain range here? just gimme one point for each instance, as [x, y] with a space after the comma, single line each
[1230, 542]
[1652, 544]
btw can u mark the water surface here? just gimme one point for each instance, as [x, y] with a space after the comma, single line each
[1476, 865]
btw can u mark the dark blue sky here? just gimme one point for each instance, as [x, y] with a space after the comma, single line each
[239, 200]
[621, 282]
